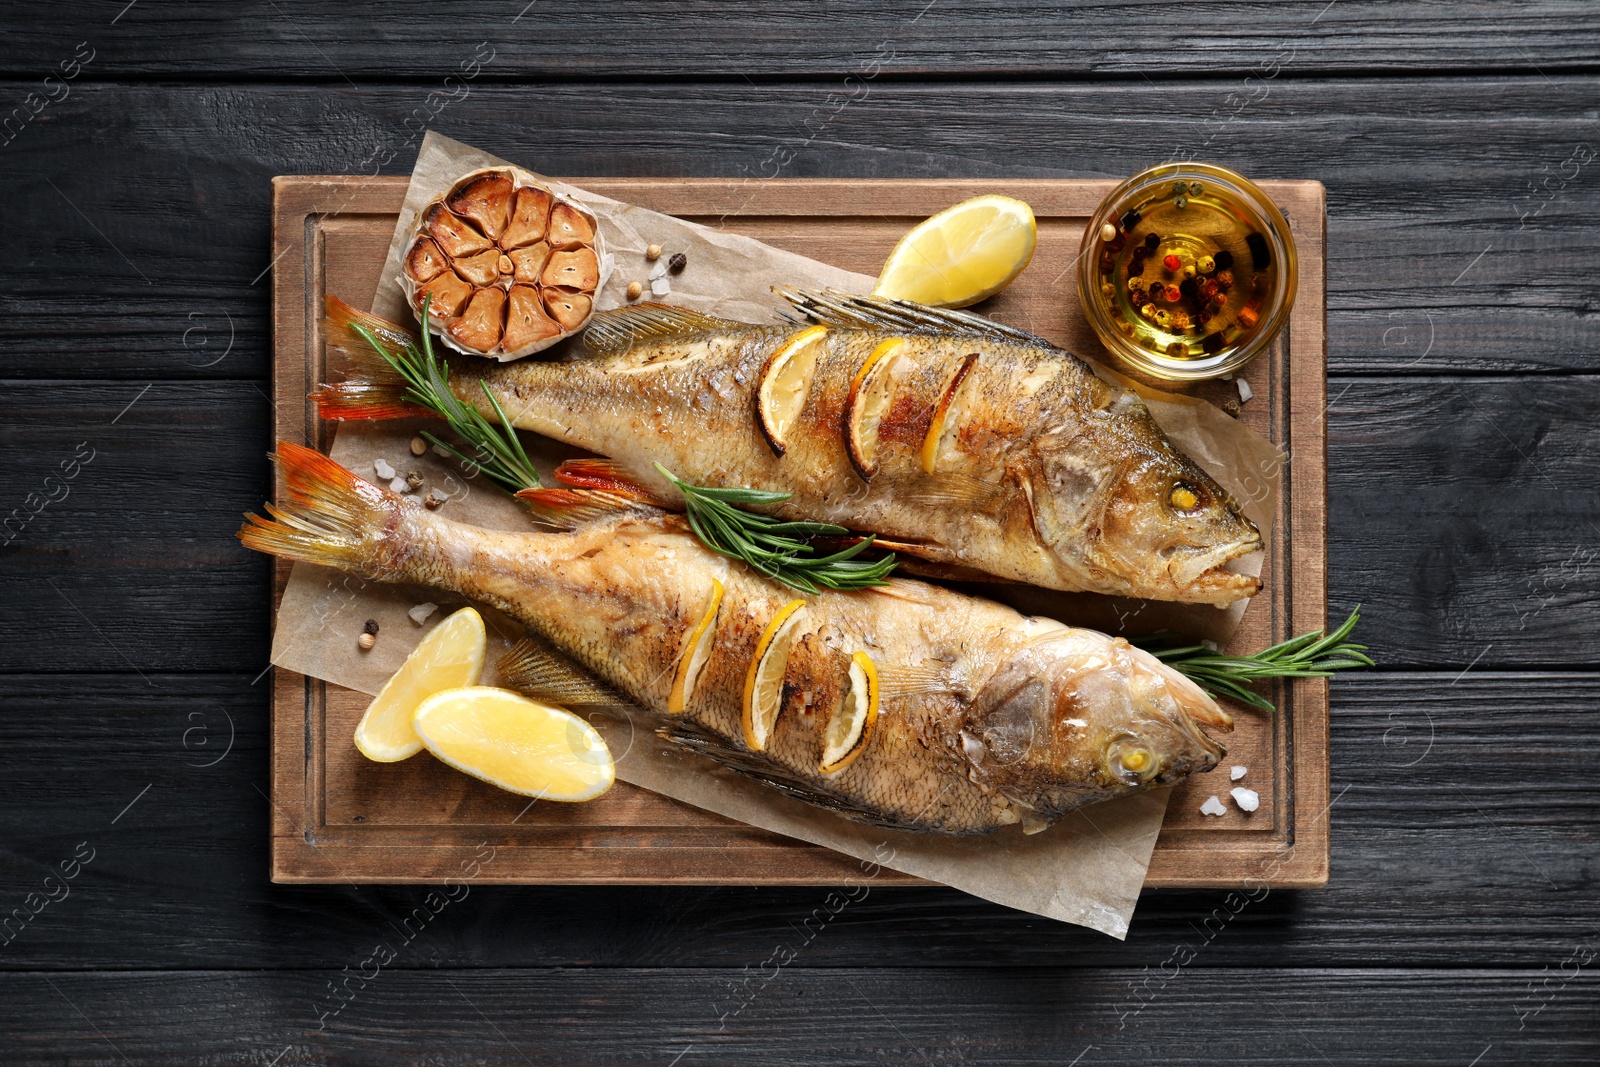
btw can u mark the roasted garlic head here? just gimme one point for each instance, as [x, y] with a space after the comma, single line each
[509, 266]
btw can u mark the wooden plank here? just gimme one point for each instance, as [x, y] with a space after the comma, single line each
[639, 38]
[1465, 837]
[336, 816]
[798, 1015]
[1445, 253]
[146, 533]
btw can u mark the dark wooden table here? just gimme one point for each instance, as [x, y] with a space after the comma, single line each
[1459, 146]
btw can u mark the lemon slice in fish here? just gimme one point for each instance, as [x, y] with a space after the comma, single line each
[851, 728]
[785, 383]
[943, 422]
[450, 656]
[521, 745]
[870, 393]
[763, 684]
[961, 255]
[695, 653]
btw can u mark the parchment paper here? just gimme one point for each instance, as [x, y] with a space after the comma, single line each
[1087, 869]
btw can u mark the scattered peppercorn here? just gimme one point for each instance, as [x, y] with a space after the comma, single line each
[1195, 188]
[653, 252]
[1172, 292]
[1108, 231]
[677, 262]
[635, 290]
[370, 626]
[418, 446]
[1171, 262]
[1206, 264]
[1211, 343]
[1224, 259]
[414, 480]
[433, 501]
[1151, 240]
[1188, 288]
[366, 641]
[1224, 280]
[1231, 407]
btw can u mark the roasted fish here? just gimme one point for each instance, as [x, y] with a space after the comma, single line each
[958, 441]
[908, 705]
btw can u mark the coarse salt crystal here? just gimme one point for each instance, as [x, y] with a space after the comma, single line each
[381, 466]
[420, 613]
[1213, 806]
[1237, 772]
[660, 287]
[400, 485]
[440, 450]
[1247, 799]
[1244, 390]
[658, 271]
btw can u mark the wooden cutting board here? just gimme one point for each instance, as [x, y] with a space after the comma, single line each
[340, 818]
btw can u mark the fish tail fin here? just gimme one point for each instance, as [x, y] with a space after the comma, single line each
[370, 387]
[331, 517]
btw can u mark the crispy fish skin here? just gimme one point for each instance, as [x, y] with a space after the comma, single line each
[1041, 473]
[988, 717]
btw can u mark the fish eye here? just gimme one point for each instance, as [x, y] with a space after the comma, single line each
[1184, 497]
[1131, 760]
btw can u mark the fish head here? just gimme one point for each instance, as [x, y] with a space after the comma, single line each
[1152, 522]
[1077, 715]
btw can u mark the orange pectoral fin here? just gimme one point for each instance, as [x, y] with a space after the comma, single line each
[570, 509]
[606, 475]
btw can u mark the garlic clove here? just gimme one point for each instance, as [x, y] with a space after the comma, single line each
[486, 200]
[455, 237]
[568, 309]
[482, 323]
[425, 261]
[530, 217]
[482, 269]
[528, 263]
[578, 269]
[449, 295]
[569, 227]
[526, 321]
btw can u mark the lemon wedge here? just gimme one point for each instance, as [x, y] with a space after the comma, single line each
[520, 745]
[450, 656]
[961, 255]
[763, 684]
[785, 384]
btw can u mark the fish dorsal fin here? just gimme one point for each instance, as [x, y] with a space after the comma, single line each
[536, 669]
[607, 475]
[570, 509]
[830, 307]
[622, 328]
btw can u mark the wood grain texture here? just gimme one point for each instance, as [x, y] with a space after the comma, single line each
[906, 38]
[800, 1016]
[1464, 833]
[1448, 250]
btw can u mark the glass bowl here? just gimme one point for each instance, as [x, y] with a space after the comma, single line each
[1187, 271]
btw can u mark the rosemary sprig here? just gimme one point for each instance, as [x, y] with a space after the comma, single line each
[1311, 655]
[775, 546]
[500, 454]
